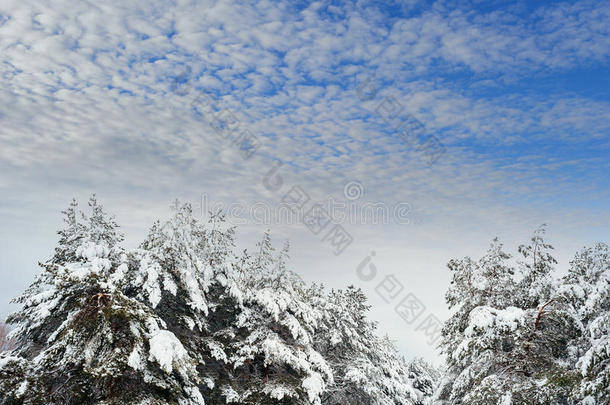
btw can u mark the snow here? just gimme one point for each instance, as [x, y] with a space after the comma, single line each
[6, 359]
[93, 265]
[279, 391]
[135, 359]
[231, 396]
[189, 322]
[195, 395]
[319, 363]
[90, 251]
[355, 375]
[335, 338]
[151, 270]
[217, 352]
[120, 273]
[485, 317]
[268, 300]
[507, 399]
[62, 327]
[275, 349]
[236, 293]
[166, 349]
[195, 291]
[209, 382]
[169, 285]
[293, 325]
[314, 386]
[21, 390]
[39, 306]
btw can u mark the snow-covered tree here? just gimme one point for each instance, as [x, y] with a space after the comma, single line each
[483, 284]
[80, 340]
[239, 317]
[587, 287]
[174, 272]
[367, 368]
[506, 342]
[537, 284]
[424, 378]
[184, 320]
[268, 339]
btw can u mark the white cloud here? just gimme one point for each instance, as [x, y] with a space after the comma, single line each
[88, 107]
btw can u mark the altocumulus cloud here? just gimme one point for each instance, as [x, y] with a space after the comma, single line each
[88, 106]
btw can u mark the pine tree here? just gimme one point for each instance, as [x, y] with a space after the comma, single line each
[80, 340]
[70, 236]
[507, 340]
[537, 284]
[541, 358]
[183, 318]
[239, 317]
[424, 378]
[479, 289]
[181, 273]
[587, 287]
[367, 369]
[267, 340]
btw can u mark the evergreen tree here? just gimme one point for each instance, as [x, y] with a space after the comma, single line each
[424, 378]
[184, 320]
[367, 369]
[504, 347]
[80, 340]
[237, 316]
[477, 288]
[268, 340]
[537, 284]
[587, 287]
[175, 272]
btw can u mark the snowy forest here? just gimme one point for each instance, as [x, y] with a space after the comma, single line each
[187, 318]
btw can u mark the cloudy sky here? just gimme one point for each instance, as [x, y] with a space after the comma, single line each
[145, 101]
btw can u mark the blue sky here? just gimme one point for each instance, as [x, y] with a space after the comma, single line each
[98, 98]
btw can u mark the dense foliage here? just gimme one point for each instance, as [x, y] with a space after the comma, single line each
[185, 320]
[518, 335]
